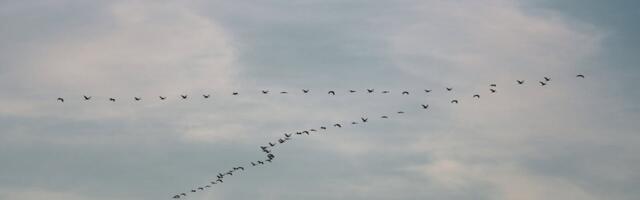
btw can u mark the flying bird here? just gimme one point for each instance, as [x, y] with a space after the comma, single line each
[176, 196]
[137, 98]
[370, 90]
[476, 96]
[492, 91]
[272, 144]
[253, 164]
[200, 188]
[265, 91]
[323, 128]
[112, 99]
[87, 98]
[193, 191]
[449, 89]
[493, 85]
[206, 96]
[547, 78]
[234, 93]
[579, 76]
[405, 93]
[427, 91]
[305, 91]
[332, 93]
[454, 101]
[352, 91]
[542, 83]
[425, 106]
[312, 130]
[338, 125]
[162, 98]
[385, 92]
[184, 96]
[354, 123]
[287, 135]
[364, 119]
[520, 82]
[60, 99]
[384, 117]
[283, 92]
[400, 112]
[260, 162]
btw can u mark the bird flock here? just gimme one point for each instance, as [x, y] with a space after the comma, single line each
[268, 148]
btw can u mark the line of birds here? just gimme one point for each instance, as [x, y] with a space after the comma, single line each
[543, 82]
[269, 147]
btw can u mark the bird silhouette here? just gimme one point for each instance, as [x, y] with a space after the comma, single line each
[183, 194]
[283, 92]
[206, 96]
[253, 164]
[400, 112]
[323, 128]
[298, 133]
[272, 144]
[454, 101]
[364, 119]
[281, 141]
[493, 85]
[427, 91]
[220, 180]
[112, 99]
[87, 98]
[137, 98]
[235, 93]
[287, 135]
[260, 162]
[332, 93]
[370, 90]
[312, 130]
[176, 196]
[305, 132]
[385, 92]
[354, 123]
[384, 117]
[60, 99]
[520, 82]
[338, 125]
[405, 93]
[476, 96]
[162, 98]
[449, 89]
[265, 91]
[352, 91]
[425, 106]
[492, 90]
[184, 96]
[579, 76]
[542, 83]
[547, 78]
[305, 91]
[193, 191]
[200, 188]
[207, 186]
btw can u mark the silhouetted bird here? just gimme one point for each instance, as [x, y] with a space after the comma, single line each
[542, 83]
[385, 92]
[220, 180]
[206, 96]
[352, 91]
[283, 92]
[87, 98]
[272, 144]
[287, 135]
[493, 85]
[263, 147]
[193, 191]
[338, 125]
[305, 91]
[137, 98]
[183, 194]
[579, 76]
[454, 101]
[112, 99]
[427, 91]
[405, 93]
[241, 168]
[184, 96]
[547, 78]
[162, 98]
[60, 99]
[176, 196]
[384, 117]
[400, 112]
[253, 164]
[354, 123]
[200, 188]
[425, 106]
[305, 132]
[332, 93]
[234, 93]
[449, 89]
[323, 128]
[520, 82]
[265, 91]
[260, 162]
[492, 90]
[312, 130]
[207, 186]
[266, 151]
[364, 119]
[298, 133]
[370, 90]
[280, 141]
[476, 96]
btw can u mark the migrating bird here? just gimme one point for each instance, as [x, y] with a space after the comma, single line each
[280, 141]
[193, 191]
[405, 93]
[312, 130]
[352, 91]
[384, 117]
[542, 83]
[493, 85]
[332, 93]
[206, 96]
[323, 128]
[364, 119]
[265, 91]
[547, 78]
[253, 164]
[492, 90]
[385, 92]
[354, 123]
[260, 162]
[162, 98]
[176, 196]
[449, 89]
[305, 91]
[476, 96]
[305, 132]
[200, 188]
[283, 92]
[272, 144]
[520, 82]
[87, 98]
[579, 76]
[425, 106]
[454, 101]
[400, 112]
[112, 99]
[183, 194]
[338, 125]
[370, 90]
[287, 135]
[184, 96]
[137, 98]
[60, 99]
[220, 180]
[427, 91]
[234, 93]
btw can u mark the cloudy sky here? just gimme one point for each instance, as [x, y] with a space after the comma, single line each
[572, 139]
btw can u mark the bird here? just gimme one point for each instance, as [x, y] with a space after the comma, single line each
[352, 91]
[184, 96]
[332, 93]
[492, 90]
[253, 164]
[405, 93]
[112, 99]
[183, 194]
[230, 174]
[476, 96]
[213, 182]
[427, 91]
[449, 89]
[265, 91]
[270, 156]
[384, 117]
[454, 101]
[283, 92]
[542, 83]
[425, 106]
[272, 144]
[298, 133]
[547, 78]
[338, 125]
[241, 168]
[579, 76]
[162, 98]
[220, 180]
[60, 99]
[364, 119]
[193, 190]
[354, 123]
[305, 91]
[137, 98]
[206, 96]
[263, 147]
[400, 112]
[266, 151]
[323, 128]
[200, 188]
[385, 92]
[234, 93]
[493, 85]
[312, 130]
[287, 135]
[305, 132]
[176, 196]
[207, 186]
[520, 82]
[87, 98]
[370, 90]
[260, 162]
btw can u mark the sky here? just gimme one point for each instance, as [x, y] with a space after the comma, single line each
[572, 139]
